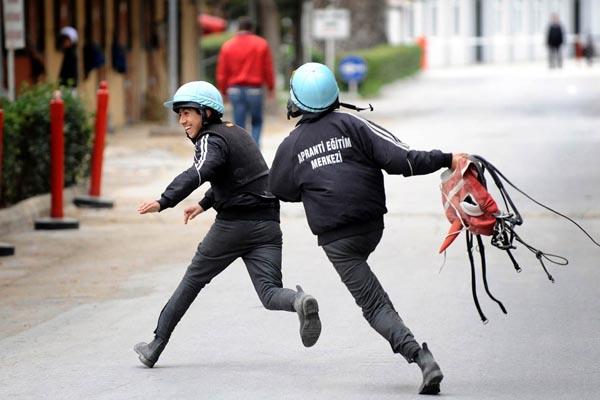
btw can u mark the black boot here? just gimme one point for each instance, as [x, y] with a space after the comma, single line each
[432, 374]
[149, 352]
[308, 312]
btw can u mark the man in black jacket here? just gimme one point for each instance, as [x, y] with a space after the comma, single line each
[247, 222]
[555, 40]
[332, 162]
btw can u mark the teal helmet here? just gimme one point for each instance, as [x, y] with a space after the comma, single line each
[197, 94]
[313, 88]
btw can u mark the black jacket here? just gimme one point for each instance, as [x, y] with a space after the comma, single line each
[228, 158]
[555, 35]
[333, 162]
[68, 75]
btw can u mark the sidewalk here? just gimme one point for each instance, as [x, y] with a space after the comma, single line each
[78, 267]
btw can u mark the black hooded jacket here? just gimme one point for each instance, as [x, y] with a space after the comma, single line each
[228, 158]
[332, 162]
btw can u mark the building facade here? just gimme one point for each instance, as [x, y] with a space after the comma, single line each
[461, 32]
[121, 41]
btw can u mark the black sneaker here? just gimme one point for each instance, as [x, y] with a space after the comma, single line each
[432, 374]
[149, 352]
[308, 312]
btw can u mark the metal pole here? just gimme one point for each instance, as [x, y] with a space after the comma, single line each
[1, 65]
[330, 53]
[306, 31]
[173, 54]
[11, 74]
[353, 88]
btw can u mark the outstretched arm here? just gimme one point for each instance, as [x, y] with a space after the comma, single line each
[394, 156]
[211, 154]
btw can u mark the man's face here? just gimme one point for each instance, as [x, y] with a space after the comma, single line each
[191, 121]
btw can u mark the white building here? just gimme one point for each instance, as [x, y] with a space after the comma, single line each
[462, 32]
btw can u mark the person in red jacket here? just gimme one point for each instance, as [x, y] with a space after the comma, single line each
[244, 68]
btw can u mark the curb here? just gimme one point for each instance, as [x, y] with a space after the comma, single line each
[21, 216]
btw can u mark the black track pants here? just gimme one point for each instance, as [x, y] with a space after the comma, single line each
[349, 257]
[259, 245]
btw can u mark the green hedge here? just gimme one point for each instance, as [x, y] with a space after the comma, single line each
[210, 46]
[26, 166]
[385, 64]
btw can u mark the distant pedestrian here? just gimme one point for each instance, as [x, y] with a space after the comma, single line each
[244, 69]
[69, 75]
[554, 41]
[589, 50]
[332, 162]
[247, 222]
[579, 50]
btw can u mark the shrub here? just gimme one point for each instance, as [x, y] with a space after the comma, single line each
[385, 64]
[210, 45]
[26, 164]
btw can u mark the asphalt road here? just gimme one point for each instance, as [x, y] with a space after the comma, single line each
[73, 304]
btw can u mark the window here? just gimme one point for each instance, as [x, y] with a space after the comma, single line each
[537, 16]
[35, 26]
[499, 23]
[434, 20]
[64, 15]
[122, 22]
[456, 17]
[518, 16]
[95, 22]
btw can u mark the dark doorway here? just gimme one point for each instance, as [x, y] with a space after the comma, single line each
[577, 16]
[478, 31]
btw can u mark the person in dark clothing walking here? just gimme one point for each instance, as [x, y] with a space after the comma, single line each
[589, 50]
[332, 162]
[247, 222]
[554, 41]
[69, 75]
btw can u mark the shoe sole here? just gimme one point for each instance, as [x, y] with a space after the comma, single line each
[311, 328]
[143, 359]
[433, 385]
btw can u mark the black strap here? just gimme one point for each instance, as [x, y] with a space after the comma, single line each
[353, 107]
[540, 255]
[469, 237]
[514, 261]
[484, 274]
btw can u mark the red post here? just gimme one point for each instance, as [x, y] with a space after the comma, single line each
[5, 248]
[1, 146]
[57, 157]
[422, 43]
[98, 150]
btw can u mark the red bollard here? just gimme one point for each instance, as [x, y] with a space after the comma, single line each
[57, 156]
[422, 43]
[1, 145]
[5, 248]
[98, 151]
[94, 200]
[57, 169]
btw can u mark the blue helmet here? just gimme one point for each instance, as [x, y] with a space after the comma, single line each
[197, 94]
[313, 87]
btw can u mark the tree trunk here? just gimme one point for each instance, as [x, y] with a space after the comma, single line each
[268, 15]
[367, 22]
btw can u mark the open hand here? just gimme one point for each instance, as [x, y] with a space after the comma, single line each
[190, 212]
[149, 207]
[457, 158]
